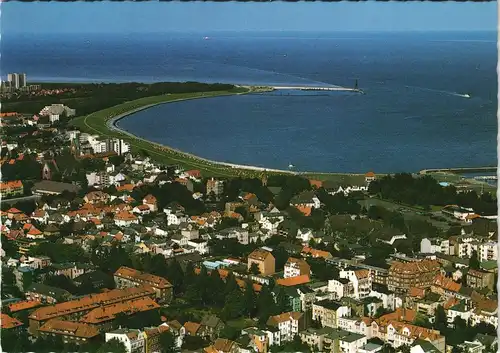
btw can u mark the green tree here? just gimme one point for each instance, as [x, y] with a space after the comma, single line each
[254, 269]
[112, 346]
[404, 349]
[167, 342]
[234, 306]
[265, 304]
[249, 298]
[440, 318]
[474, 261]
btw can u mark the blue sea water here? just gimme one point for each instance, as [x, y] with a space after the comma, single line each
[412, 115]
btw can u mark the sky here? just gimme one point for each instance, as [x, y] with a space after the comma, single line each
[144, 17]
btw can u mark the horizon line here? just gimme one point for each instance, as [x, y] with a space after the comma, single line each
[235, 31]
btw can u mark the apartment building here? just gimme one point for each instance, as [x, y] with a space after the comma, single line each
[215, 186]
[329, 312]
[133, 340]
[69, 331]
[104, 316]
[488, 251]
[480, 279]
[332, 340]
[289, 324]
[296, 267]
[128, 277]
[10, 189]
[420, 274]
[75, 309]
[361, 282]
[264, 260]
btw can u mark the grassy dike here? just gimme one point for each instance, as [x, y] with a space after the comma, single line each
[101, 122]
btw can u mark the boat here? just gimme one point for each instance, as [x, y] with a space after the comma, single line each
[466, 95]
[206, 38]
[291, 166]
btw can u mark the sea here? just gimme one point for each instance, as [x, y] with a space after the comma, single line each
[414, 114]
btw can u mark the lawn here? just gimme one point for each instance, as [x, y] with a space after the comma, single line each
[241, 323]
[408, 212]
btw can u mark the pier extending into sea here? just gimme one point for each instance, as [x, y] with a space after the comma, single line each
[315, 88]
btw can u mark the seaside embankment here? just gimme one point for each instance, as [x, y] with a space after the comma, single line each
[104, 123]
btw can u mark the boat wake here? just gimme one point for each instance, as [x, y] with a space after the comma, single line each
[456, 94]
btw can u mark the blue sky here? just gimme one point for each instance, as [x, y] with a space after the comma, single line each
[129, 17]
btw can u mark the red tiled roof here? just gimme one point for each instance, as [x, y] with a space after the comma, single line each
[192, 327]
[109, 312]
[293, 281]
[142, 277]
[23, 305]
[91, 301]
[8, 185]
[69, 328]
[9, 322]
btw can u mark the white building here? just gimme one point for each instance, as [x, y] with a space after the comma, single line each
[488, 251]
[200, 245]
[355, 284]
[432, 246]
[296, 267]
[288, 324]
[134, 340]
[270, 221]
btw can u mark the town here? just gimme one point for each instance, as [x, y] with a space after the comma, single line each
[105, 248]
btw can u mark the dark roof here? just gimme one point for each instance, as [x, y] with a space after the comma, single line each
[55, 186]
[426, 346]
[57, 293]
[94, 276]
[329, 304]
[380, 288]
[211, 321]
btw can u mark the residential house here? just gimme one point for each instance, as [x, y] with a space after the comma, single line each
[329, 312]
[289, 324]
[222, 345]
[369, 177]
[271, 220]
[242, 235]
[296, 267]
[215, 186]
[192, 328]
[133, 340]
[96, 197]
[263, 259]
[211, 326]
[150, 201]
[125, 219]
[478, 279]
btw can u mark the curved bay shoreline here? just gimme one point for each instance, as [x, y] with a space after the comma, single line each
[111, 116]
